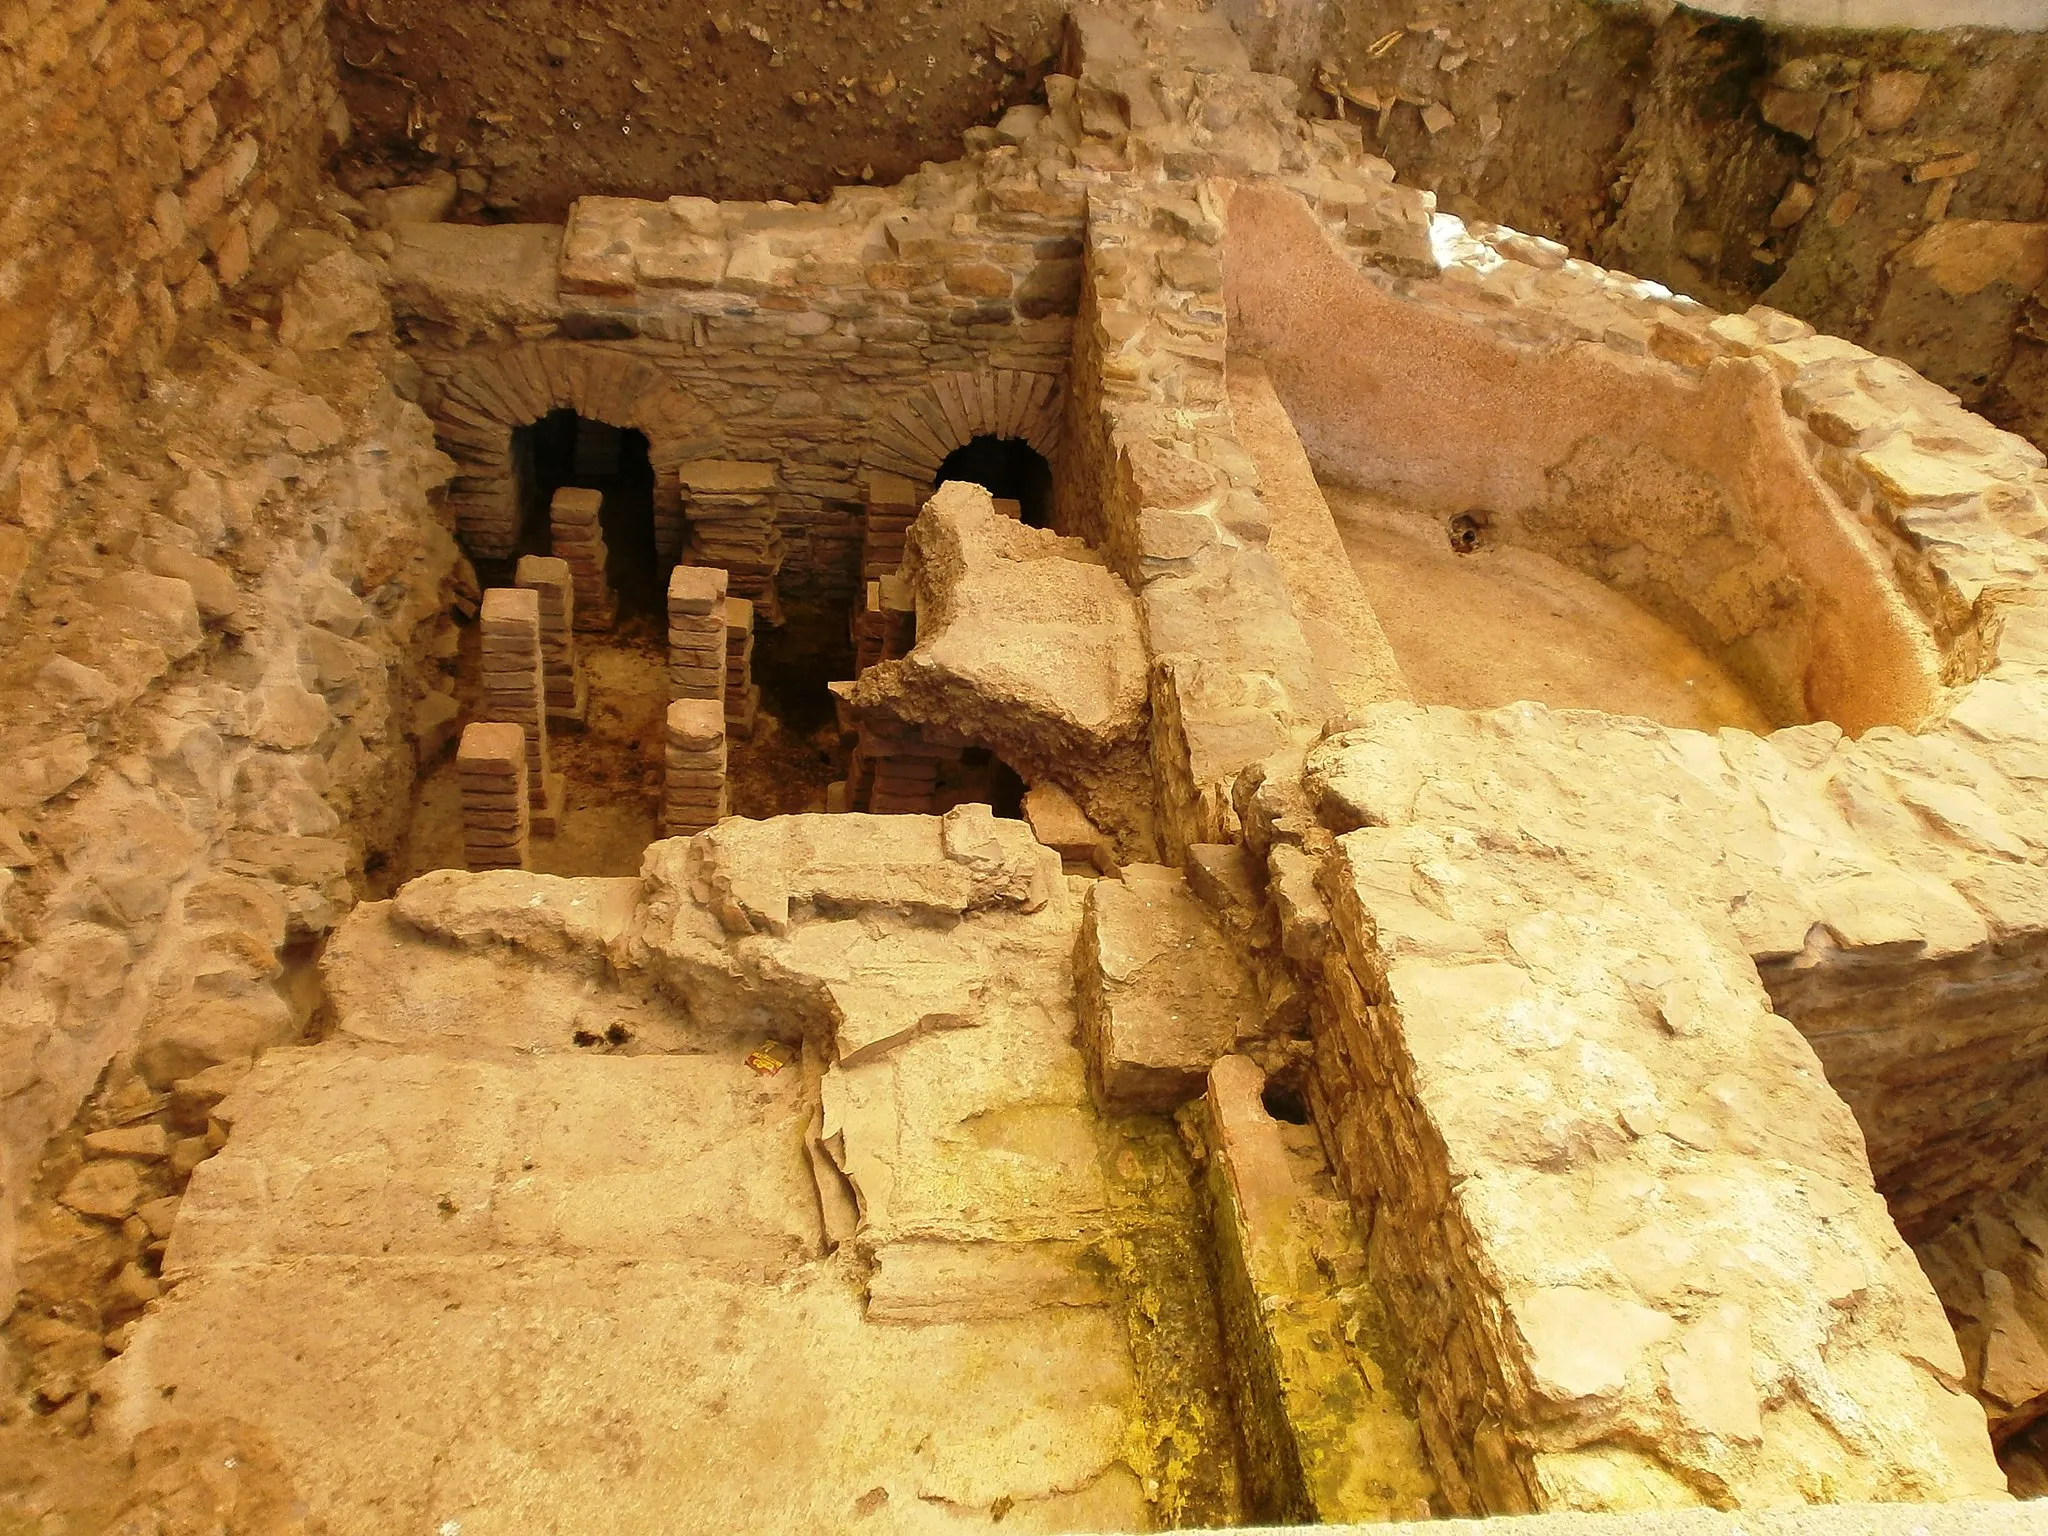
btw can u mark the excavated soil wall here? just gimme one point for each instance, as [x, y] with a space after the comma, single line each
[1883, 185]
[535, 105]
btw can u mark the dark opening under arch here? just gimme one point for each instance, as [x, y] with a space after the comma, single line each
[1008, 468]
[563, 448]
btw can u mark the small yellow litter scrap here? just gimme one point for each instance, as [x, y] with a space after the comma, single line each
[769, 1059]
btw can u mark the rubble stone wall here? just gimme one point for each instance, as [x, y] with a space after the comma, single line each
[222, 668]
[152, 152]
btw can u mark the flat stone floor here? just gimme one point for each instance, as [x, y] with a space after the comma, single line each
[471, 1278]
[1502, 624]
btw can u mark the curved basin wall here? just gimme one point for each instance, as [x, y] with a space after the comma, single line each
[1692, 497]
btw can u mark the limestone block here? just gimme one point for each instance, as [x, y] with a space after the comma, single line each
[1160, 994]
[473, 277]
[923, 1281]
[759, 877]
[424, 202]
[194, 1032]
[1059, 823]
[1024, 643]
[333, 299]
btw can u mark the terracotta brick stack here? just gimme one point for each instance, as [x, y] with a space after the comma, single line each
[867, 628]
[731, 507]
[696, 633]
[892, 506]
[577, 536]
[515, 694]
[886, 627]
[490, 764]
[899, 616]
[896, 770]
[568, 693]
[742, 697]
[696, 787]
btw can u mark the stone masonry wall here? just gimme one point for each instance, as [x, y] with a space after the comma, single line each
[1615, 1201]
[817, 337]
[152, 152]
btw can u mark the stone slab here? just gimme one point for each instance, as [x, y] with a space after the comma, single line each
[1160, 994]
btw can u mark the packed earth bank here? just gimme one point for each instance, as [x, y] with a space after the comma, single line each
[1153, 838]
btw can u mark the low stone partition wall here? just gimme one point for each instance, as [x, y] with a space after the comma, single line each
[1320, 1387]
[1154, 474]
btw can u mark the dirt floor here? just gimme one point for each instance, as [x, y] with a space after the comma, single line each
[612, 767]
[1502, 624]
[537, 102]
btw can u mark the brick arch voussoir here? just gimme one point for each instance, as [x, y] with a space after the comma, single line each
[956, 407]
[483, 402]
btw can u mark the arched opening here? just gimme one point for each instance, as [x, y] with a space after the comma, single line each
[1009, 469]
[563, 449]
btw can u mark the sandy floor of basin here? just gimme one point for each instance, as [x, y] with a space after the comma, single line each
[1503, 624]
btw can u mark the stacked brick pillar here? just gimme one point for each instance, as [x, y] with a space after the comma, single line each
[696, 784]
[568, 695]
[731, 510]
[577, 537]
[699, 664]
[742, 697]
[515, 692]
[897, 767]
[887, 627]
[490, 766]
[883, 617]
[697, 660]
[892, 504]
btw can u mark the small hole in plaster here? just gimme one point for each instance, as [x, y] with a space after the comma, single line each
[1468, 530]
